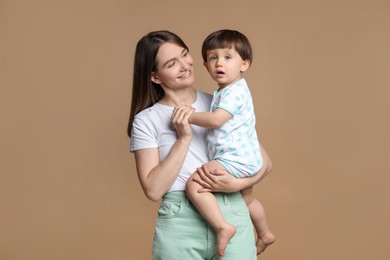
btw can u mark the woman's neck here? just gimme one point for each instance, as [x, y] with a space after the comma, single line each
[179, 97]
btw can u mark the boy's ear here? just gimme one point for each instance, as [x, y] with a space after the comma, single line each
[245, 65]
[205, 64]
[155, 78]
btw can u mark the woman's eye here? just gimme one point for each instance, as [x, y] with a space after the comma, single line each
[171, 64]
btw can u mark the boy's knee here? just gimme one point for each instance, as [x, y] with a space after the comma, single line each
[188, 186]
[191, 186]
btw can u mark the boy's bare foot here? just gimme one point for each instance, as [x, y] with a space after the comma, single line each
[263, 242]
[223, 237]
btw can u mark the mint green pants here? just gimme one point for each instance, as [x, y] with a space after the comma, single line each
[181, 233]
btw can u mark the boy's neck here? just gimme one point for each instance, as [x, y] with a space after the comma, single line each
[220, 87]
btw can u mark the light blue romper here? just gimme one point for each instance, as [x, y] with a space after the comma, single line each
[235, 144]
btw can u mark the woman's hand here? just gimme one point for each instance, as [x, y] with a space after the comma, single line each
[221, 181]
[179, 120]
[218, 180]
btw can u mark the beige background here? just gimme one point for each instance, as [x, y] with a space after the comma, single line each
[321, 85]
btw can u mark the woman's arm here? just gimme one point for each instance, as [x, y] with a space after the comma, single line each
[157, 176]
[222, 181]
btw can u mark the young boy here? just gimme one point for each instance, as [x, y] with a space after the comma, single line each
[232, 139]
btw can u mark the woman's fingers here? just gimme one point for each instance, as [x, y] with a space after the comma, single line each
[204, 190]
[210, 175]
[210, 181]
[179, 120]
[218, 180]
[181, 114]
[200, 180]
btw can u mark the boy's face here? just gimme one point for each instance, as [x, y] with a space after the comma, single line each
[225, 66]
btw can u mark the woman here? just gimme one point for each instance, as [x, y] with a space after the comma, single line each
[168, 149]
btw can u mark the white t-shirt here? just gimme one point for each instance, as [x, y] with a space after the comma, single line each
[152, 128]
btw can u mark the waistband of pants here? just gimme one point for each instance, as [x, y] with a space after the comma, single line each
[181, 196]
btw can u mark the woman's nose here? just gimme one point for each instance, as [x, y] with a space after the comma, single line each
[184, 64]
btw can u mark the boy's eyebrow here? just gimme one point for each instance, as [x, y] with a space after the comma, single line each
[168, 61]
[229, 50]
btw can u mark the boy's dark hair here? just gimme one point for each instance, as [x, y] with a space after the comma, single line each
[228, 39]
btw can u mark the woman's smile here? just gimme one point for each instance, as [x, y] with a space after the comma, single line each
[186, 74]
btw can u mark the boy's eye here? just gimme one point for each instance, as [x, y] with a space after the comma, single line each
[212, 58]
[228, 57]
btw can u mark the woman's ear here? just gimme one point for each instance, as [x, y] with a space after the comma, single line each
[155, 78]
[245, 65]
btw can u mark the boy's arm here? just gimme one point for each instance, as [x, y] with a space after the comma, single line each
[210, 119]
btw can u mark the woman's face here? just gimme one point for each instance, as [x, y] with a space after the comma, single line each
[174, 67]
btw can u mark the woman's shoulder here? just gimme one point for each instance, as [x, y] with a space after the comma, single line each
[153, 112]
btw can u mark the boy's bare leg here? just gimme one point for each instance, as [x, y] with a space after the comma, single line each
[257, 213]
[208, 206]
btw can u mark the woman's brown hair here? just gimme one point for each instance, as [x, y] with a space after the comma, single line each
[145, 92]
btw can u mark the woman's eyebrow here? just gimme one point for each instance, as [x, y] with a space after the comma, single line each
[170, 60]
